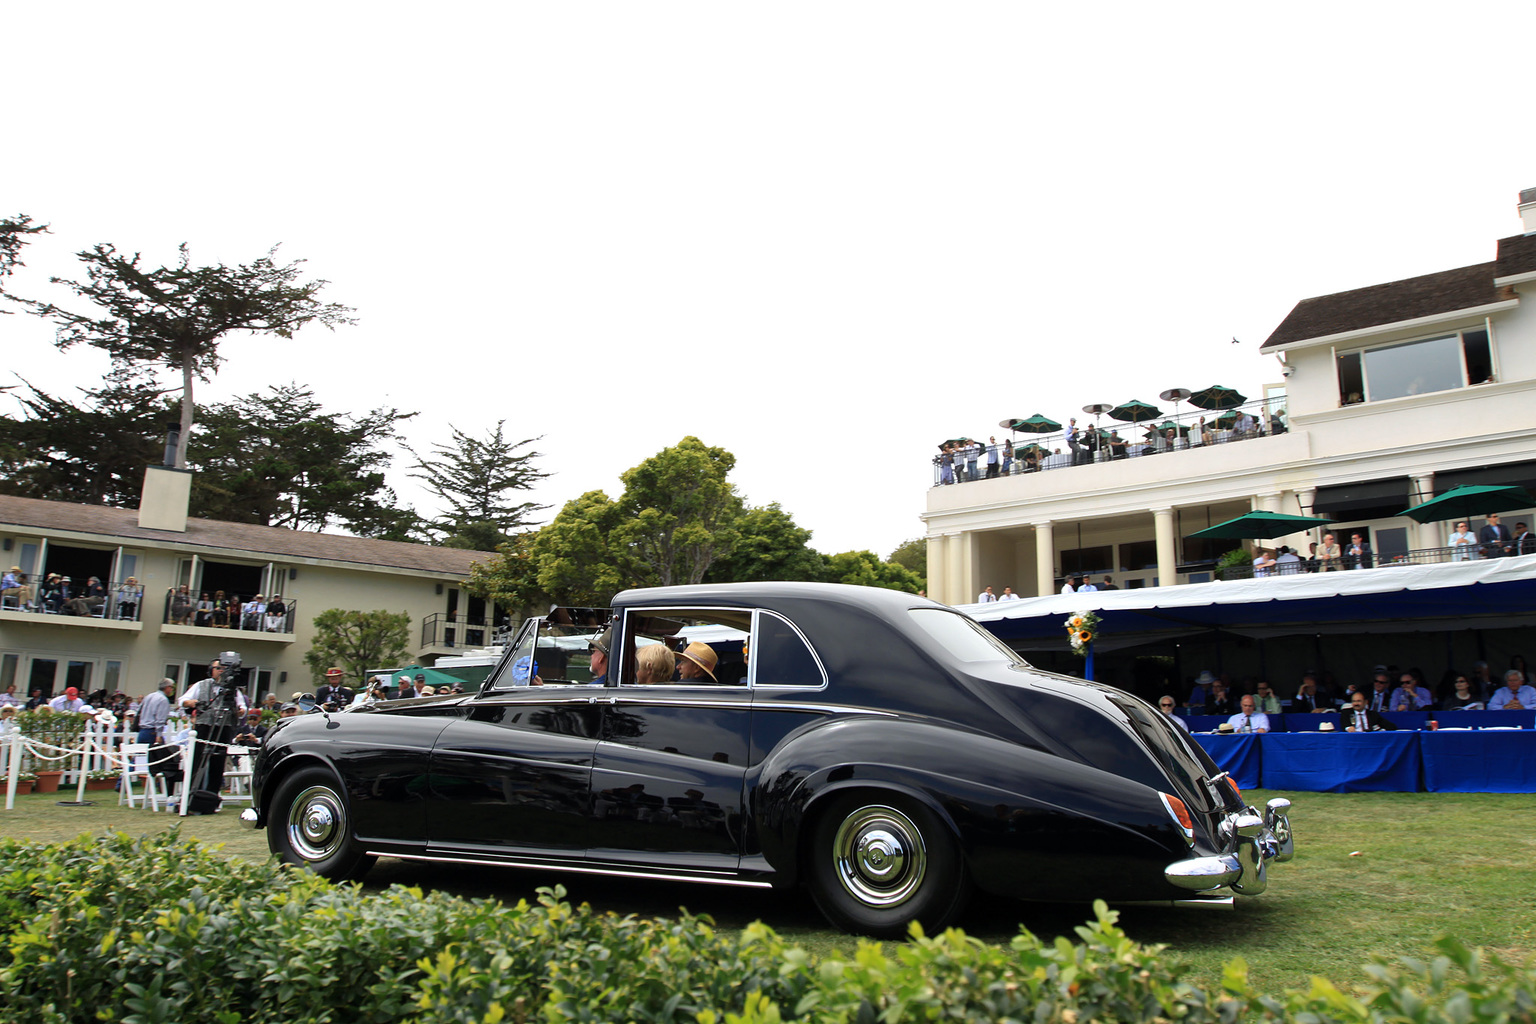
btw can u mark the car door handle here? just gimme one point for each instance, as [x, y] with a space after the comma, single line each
[602, 700]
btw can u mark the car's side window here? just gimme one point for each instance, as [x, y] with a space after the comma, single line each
[685, 646]
[781, 656]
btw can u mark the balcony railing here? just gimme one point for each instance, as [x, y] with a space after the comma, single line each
[245, 616]
[1189, 430]
[1418, 556]
[441, 630]
[123, 602]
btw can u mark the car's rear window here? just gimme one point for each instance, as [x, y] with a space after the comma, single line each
[962, 638]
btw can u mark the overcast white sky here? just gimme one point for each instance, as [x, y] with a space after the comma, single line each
[824, 236]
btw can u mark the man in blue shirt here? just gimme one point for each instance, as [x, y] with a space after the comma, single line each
[1515, 694]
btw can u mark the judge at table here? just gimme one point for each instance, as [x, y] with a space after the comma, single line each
[1250, 718]
[1359, 718]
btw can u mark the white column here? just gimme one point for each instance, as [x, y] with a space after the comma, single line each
[1045, 559]
[936, 562]
[1267, 502]
[1424, 535]
[1167, 547]
[955, 570]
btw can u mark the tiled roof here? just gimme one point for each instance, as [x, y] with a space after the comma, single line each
[1444, 292]
[1517, 255]
[123, 524]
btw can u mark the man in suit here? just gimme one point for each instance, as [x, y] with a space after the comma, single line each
[1358, 554]
[1495, 538]
[1359, 718]
[1525, 541]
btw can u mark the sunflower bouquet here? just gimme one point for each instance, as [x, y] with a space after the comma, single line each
[1081, 629]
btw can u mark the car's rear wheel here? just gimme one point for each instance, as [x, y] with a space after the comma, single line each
[879, 861]
[309, 825]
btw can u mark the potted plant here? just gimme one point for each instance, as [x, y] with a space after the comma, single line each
[25, 782]
[101, 778]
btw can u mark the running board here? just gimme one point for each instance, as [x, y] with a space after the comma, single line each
[574, 869]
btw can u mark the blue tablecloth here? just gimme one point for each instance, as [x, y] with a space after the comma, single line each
[1479, 762]
[1342, 762]
[1237, 754]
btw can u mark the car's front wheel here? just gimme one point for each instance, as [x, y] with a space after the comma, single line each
[879, 861]
[308, 825]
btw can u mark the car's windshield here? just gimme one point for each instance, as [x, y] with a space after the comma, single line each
[549, 655]
[963, 638]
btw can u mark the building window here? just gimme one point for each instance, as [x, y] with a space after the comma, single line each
[1420, 367]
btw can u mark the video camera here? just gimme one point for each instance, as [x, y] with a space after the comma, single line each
[220, 710]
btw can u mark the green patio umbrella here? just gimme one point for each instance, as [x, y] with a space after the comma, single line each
[1258, 525]
[1470, 500]
[954, 440]
[1216, 397]
[1036, 424]
[1135, 411]
[1167, 425]
[1226, 420]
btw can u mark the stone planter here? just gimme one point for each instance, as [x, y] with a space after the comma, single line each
[48, 782]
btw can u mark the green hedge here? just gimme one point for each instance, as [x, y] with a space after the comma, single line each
[163, 929]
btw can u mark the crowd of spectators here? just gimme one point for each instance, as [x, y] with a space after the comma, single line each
[1248, 703]
[59, 594]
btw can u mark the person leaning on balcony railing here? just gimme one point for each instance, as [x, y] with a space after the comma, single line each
[1495, 538]
[1463, 543]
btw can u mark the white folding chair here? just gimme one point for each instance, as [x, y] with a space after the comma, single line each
[237, 774]
[135, 765]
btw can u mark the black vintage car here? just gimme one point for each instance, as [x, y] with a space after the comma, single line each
[884, 750]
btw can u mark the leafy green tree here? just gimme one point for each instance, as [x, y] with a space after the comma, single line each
[864, 569]
[175, 317]
[357, 641]
[680, 512]
[511, 579]
[92, 451]
[475, 478]
[277, 459]
[771, 547]
[579, 560]
[912, 555]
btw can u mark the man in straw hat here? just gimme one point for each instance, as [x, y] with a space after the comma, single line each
[696, 662]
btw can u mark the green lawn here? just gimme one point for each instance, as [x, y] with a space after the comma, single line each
[1378, 873]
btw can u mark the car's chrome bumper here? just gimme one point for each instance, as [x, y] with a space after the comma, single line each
[1250, 842]
[250, 818]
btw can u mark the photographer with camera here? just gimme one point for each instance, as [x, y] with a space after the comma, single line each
[218, 706]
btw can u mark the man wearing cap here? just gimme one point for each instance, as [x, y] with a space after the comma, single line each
[155, 711]
[251, 613]
[696, 663]
[251, 733]
[202, 691]
[13, 584]
[333, 690]
[69, 700]
[406, 689]
[598, 649]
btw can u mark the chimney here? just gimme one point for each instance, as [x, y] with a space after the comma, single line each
[167, 491]
[1528, 210]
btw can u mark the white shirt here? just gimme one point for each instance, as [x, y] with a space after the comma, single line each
[1066, 588]
[63, 703]
[1256, 722]
[1009, 597]
[984, 597]
[1087, 588]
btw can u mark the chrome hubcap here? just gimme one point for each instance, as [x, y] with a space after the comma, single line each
[879, 856]
[316, 823]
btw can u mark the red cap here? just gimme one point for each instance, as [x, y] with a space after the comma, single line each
[70, 691]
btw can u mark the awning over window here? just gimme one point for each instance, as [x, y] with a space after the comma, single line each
[1520, 474]
[1364, 500]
